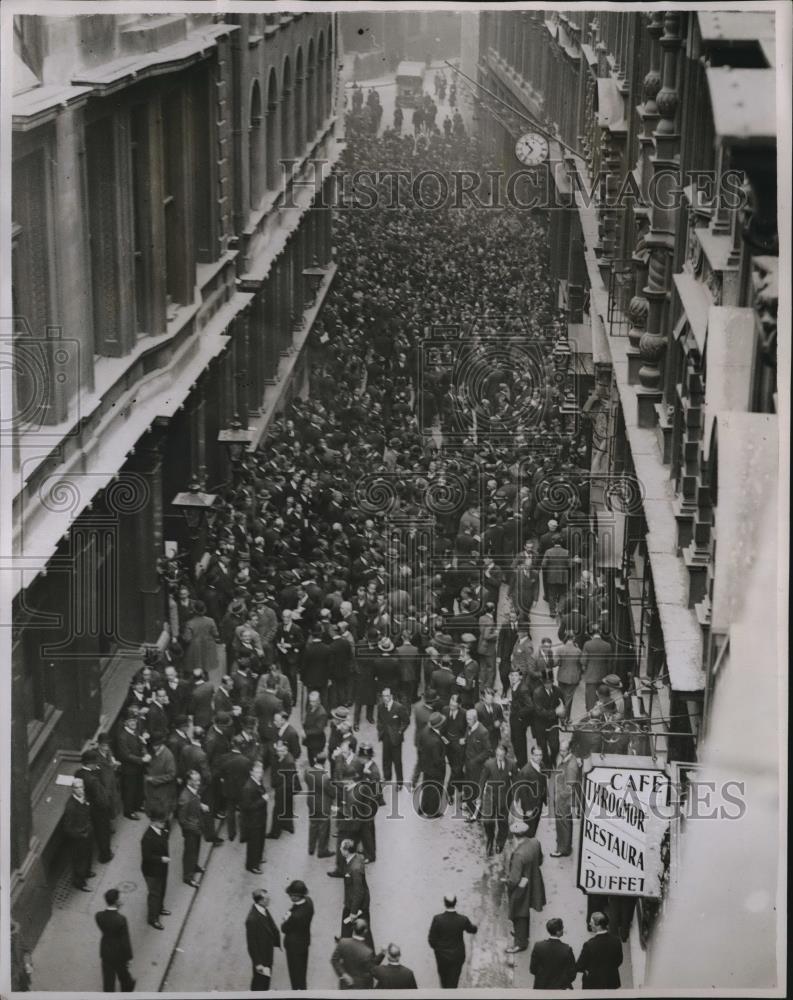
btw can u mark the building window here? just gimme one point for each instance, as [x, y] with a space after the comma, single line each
[272, 133]
[177, 199]
[255, 143]
[29, 42]
[204, 218]
[103, 227]
[286, 111]
[141, 219]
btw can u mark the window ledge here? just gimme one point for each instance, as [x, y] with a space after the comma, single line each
[39, 732]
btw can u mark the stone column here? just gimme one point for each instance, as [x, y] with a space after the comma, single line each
[661, 238]
[149, 523]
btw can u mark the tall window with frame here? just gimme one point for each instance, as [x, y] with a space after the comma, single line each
[141, 220]
[177, 199]
[103, 227]
[205, 221]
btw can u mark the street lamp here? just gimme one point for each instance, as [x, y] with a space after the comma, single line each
[198, 507]
[314, 276]
[236, 438]
[200, 510]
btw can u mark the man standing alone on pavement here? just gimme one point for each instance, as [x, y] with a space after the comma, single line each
[566, 791]
[319, 796]
[189, 814]
[263, 938]
[154, 865]
[80, 832]
[446, 938]
[115, 950]
[296, 928]
[356, 892]
[253, 818]
[392, 721]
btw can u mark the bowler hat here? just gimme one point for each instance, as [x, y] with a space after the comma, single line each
[612, 681]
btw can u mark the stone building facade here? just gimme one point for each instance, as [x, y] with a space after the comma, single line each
[166, 202]
[662, 174]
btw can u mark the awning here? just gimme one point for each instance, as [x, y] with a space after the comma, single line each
[726, 26]
[696, 301]
[747, 475]
[731, 340]
[743, 102]
[611, 105]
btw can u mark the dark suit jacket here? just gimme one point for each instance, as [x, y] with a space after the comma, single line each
[115, 946]
[431, 755]
[297, 926]
[357, 960]
[262, 936]
[234, 770]
[253, 806]
[200, 703]
[157, 722]
[154, 847]
[356, 890]
[530, 789]
[596, 659]
[446, 935]
[599, 961]
[489, 719]
[189, 811]
[477, 750]
[394, 977]
[392, 723]
[292, 741]
[494, 788]
[130, 750]
[545, 705]
[319, 792]
[552, 965]
[316, 666]
[77, 818]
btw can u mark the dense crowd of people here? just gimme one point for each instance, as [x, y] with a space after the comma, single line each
[377, 561]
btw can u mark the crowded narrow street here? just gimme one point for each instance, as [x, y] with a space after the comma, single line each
[419, 859]
[378, 419]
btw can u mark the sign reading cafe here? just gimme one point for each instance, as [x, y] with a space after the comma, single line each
[624, 820]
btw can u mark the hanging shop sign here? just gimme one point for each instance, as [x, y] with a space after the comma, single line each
[625, 817]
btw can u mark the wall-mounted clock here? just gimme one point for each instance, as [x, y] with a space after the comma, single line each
[532, 149]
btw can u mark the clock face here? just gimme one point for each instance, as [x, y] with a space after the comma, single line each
[531, 149]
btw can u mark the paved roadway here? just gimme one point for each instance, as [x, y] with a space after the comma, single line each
[203, 946]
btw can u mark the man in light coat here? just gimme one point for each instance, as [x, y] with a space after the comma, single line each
[566, 789]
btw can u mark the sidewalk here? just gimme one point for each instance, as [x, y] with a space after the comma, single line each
[67, 954]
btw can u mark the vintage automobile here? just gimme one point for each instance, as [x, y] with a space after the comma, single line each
[410, 83]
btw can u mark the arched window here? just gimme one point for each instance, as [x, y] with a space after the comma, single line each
[330, 64]
[311, 92]
[300, 97]
[321, 95]
[256, 168]
[273, 170]
[287, 110]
